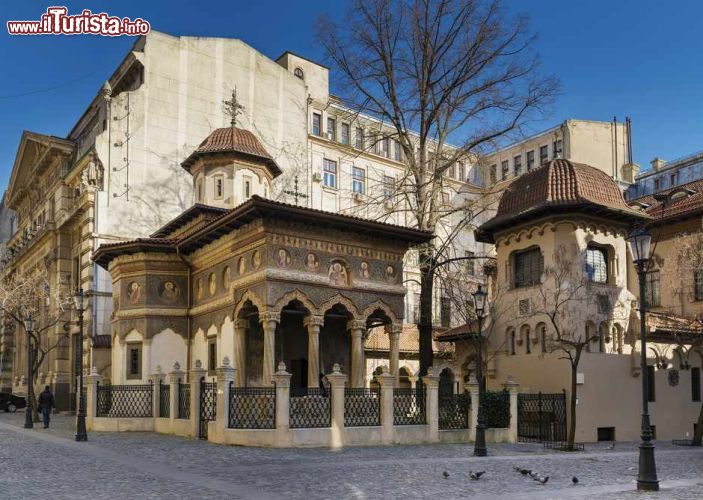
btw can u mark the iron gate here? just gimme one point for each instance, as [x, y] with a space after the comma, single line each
[208, 406]
[541, 417]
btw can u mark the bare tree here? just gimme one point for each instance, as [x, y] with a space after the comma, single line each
[28, 294]
[434, 72]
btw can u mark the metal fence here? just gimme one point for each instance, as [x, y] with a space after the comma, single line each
[310, 407]
[124, 401]
[252, 407]
[208, 406]
[541, 417]
[183, 400]
[496, 407]
[362, 407]
[409, 406]
[164, 400]
[454, 411]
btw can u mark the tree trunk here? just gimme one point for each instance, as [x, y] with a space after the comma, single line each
[572, 423]
[425, 325]
[698, 435]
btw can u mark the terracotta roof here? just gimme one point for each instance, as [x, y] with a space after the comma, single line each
[409, 341]
[460, 332]
[679, 202]
[236, 141]
[209, 212]
[559, 186]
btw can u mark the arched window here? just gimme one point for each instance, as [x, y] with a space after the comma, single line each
[602, 336]
[299, 73]
[525, 333]
[404, 379]
[542, 333]
[597, 264]
[511, 340]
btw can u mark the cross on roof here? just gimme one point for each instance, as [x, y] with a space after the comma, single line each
[295, 192]
[233, 108]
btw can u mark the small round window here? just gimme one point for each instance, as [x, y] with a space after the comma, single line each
[299, 73]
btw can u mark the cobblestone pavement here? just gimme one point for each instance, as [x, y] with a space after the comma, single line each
[145, 465]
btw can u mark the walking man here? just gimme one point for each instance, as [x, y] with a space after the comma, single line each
[46, 404]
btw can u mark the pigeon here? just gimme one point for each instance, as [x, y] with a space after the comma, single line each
[476, 475]
[611, 447]
[542, 480]
[445, 474]
[524, 472]
[533, 475]
[575, 480]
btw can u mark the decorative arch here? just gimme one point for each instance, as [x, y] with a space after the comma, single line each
[379, 304]
[603, 335]
[251, 297]
[295, 295]
[339, 299]
[511, 340]
[525, 335]
[541, 334]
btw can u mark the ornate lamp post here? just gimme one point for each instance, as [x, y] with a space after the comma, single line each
[81, 433]
[29, 328]
[639, 241]
[480, 302]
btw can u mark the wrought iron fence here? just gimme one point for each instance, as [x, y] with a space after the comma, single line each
[183, 400]
[208, 406]
[362, 407]
[164, 400]
[541, 417]
[409, 406]
[310, 407]
[496, 407]
[252, 407]
[454, 411]
[125, 401]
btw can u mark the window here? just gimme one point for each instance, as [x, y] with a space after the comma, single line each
[511, 339]
[385, 147]
[358, 180]
[695, 384]
[606, 433]
[470, 264]
[330, 170]
[517, 165]
[698, 285]
[219, 187]
[317, 124]
[247, 188]
[462, 171]
[199, 190]
[651, 289]
[530, 160]
[504, 169]
[597, 264]
[359, 138]
[556, 148]
[299, 73]
[331, 129]
[388, 187]
[657, 184]
[528, 268]
[445, 312]
[528, 348]
[651, 394]
[211, 355]
[345, 133]
[451, 171]
[397, 151]
[672, 179]
[134, 361]
[543, 337]
[543, 155]
[493, 174]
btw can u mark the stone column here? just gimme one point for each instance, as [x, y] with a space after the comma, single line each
[195, 375]
[512, 387]
[431, 382]
[413, 381]
[281, 380]
[337, 380]
[240, 351]
[174, 378]
[91, 402]
[313, 324]
[156, 379]
[387, 383]
[269, 322]
[472, 386]
[358, 362]
[225, 375]
[146, 357]
[394, 350]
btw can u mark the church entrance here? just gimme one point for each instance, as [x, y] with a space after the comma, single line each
[292, 345]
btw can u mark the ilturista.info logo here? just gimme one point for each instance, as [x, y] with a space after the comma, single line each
[57, 21]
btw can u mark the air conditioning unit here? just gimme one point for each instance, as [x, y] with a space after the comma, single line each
[317, 177]
[358, 196]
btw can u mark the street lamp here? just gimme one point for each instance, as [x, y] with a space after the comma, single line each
[81, 433]
[639, 241]
[480, 302]
[29, 328]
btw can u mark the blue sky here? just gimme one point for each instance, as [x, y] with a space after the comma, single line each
[636, 58]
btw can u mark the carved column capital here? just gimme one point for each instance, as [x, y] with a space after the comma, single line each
[317, 321]
[356, 324]
[267, 316]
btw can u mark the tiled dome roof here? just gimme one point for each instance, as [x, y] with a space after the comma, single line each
[557, 186]
[233, 140]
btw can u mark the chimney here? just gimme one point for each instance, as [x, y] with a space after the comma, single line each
[657, 164]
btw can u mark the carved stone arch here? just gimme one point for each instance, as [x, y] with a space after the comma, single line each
[379, 304]
[295, 295]
[251, 297]
[339, 299]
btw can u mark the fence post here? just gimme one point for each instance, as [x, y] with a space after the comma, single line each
[337, 380]
[473, 414]
[281, 380]
[174, 378]
[431, 383]
[512, 387]
[157, 378]
[387, 383]
[91, 401]
[225, 375]
[195, 375]
[539, 415]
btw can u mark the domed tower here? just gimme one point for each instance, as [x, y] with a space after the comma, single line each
[230, 166]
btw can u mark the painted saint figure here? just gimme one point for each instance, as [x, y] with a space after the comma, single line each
[338, 275]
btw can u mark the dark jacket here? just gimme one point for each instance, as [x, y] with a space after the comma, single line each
[46, 400]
